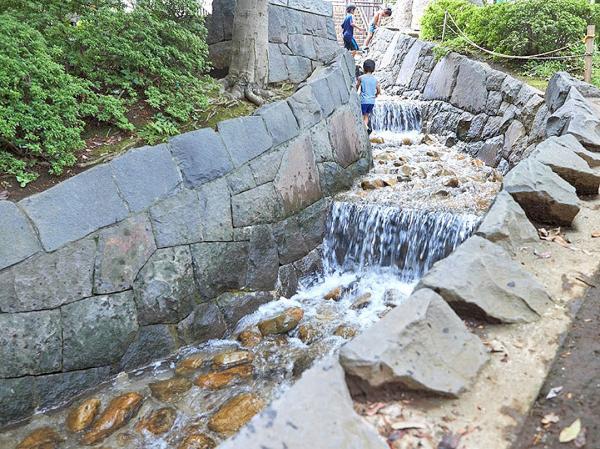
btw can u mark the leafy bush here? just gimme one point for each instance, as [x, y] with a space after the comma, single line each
[432, 23]
[65, 64]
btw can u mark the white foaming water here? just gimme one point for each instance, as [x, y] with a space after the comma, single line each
[395, 116]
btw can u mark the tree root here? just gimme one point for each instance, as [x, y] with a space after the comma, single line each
[240, 89]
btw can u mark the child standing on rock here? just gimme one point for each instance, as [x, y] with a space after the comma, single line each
[369, 89]
[385, 12]
[348, 27]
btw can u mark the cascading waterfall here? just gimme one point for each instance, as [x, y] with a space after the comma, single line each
[369, 236]
[398, 117]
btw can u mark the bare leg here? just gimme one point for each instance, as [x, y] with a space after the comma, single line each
[366, 119]
[368, 41]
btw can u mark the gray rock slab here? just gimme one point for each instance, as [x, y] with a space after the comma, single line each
[287, 281]
[300, 416]
[570, 142]
[257, 206]
[145, 175]
[204, 323]
[178, 220]
[16, 399]
[201, 156]
[569, 166]
[443, 78]
[263, 259]
[326, 48]
[280, 121]
[17, 237]
[421, 345]
[49, 280]
[245, 138]
[480, 279]
[297, 181]
[151, 343]
[278, 71]
[97, 331]
[347, 143]
[544, 196]
[122, 251]
[305, 107]
[320, 89]
[470, 92]
[298, 68]
[559, 86]
[278, 32]
[54, 389]
[30, 343]
[215, 207]
[165, 290]
[507, 224]
[241, 179]
[409, 63]
[264, 168]
[319, 7]
[236, 305]
[302, 45]
[76, 207]
[220, 266]
[319, 136]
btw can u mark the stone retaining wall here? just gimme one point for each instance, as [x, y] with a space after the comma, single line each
[301, 37]
[492, 115]
[162, 247]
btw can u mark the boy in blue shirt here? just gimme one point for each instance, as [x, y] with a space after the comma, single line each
[369, 89]
[348, 26]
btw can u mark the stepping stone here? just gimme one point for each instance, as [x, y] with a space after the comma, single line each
[568, 165]
[507, 224]
[544, 196]
[420, 345]
[316, 411]
[479, 279]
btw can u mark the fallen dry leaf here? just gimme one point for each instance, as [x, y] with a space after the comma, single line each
[571, 432]
[550, 418]
[580, 440]
[596, 234]
[401, 425]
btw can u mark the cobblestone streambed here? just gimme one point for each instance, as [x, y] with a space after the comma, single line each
[416, 205]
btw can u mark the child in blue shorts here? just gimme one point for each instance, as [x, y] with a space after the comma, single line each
[348, 27]
[369, 89]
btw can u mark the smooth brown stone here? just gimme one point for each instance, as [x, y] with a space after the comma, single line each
[220, 379]
[170, 390]
[118, 413]
[190, 364]
[345, 331]
[227, 360]
[81, 417]
[308, 333]
[334, 294]
[158, 421]
[361, 302]
[197, 441]
[282, 323]
[42, 438]
[236, 412]
[250, 337]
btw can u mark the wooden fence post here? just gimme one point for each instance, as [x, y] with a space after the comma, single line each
[589, 52]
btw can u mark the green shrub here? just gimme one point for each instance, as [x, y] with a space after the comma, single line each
[432, 23]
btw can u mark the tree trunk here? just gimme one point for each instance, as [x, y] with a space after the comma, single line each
[249, 67]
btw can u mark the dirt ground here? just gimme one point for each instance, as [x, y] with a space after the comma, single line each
[577, 371]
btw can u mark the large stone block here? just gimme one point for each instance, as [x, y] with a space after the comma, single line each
[76, 207]
[302, 45]
[507, 224]
[165, 290]
[152, 343]
[201, 156]
[122, 251]
[177, 220]
[17, 237]
[569, 142]
[280, 121]
[277, 67]
[46, 281]
[320, 7]
[326, 48]
[308, 412]
[54, 389]
[264, 168]
[409, 63]
[443, 78]
[569, 166]
[235, 306]
[245, 138]
[559, 86]
[241, 179]
[297, 181]
[204, 323]
[278, 32]
[98, 330]
[305, 107]
[348, 145]
[470, 92]
[220, 266]
[256, 206]
[16, 399]
[145, 175]
[215, 207]
[30, 343]
[298, 68]
[544, 196]
[480, 279]
[320, 89]
[263, 259]
[420, 345]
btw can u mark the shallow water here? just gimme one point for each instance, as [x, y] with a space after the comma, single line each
[378, 240]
